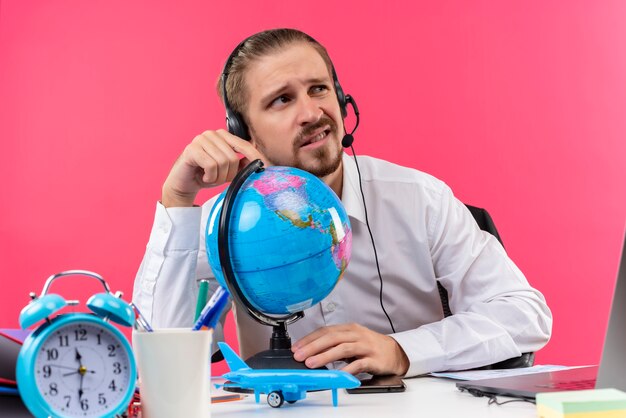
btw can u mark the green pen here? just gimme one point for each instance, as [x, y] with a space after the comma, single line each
[203, 293]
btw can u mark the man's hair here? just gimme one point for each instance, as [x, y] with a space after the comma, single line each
[257, 46]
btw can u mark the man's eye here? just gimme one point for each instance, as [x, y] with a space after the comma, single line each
[319, 89]
[280, 100]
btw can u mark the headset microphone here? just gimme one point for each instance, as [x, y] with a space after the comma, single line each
[348, 139]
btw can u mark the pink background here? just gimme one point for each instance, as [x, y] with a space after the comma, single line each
[520, 106]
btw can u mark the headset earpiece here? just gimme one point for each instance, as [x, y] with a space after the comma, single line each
[234, 121]
[236, 125]
[341, 97]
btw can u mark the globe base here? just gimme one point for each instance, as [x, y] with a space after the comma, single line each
[279, 355]
[279, 358]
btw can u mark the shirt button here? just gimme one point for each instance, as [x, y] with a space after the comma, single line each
[330, 307]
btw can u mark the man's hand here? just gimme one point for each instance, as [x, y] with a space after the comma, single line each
[363, 349]
[210, 160]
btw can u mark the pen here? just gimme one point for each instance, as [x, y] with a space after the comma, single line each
[213, 309]
[203, 292]
[139, 319]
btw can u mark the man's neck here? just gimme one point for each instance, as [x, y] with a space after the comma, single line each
[335, 180]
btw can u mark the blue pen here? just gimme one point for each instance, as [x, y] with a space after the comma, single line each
[8, 391]
[212, 310]
[139, 319]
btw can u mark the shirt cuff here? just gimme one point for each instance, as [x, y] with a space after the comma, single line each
[175, 228]
[424, 352]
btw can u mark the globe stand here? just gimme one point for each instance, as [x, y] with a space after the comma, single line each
[279, 356]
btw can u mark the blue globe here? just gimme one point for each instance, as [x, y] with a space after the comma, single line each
[290, 240]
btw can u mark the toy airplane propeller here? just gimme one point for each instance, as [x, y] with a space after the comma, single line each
[282, 385]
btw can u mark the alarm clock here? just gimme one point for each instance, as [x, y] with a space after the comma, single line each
[76, 364]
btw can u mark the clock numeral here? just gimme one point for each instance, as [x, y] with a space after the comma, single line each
[112, 386]
[52, 353]
[64, 341]
[84, 404]
[117, 368]
[53, 390]
[101, 399]
[47, 371]
[80, 334]
[111, 348]
[68, 398]
[99, 337]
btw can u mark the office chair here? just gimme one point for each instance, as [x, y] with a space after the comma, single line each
[484, 221]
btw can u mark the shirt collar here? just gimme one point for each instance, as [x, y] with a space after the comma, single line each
[351, 192]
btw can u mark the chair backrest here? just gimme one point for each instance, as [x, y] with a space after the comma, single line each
[484, 221]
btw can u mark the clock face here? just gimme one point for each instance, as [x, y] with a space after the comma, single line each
[83, 369]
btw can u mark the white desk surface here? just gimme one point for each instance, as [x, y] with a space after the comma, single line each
[424, 397]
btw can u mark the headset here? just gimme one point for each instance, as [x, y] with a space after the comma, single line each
[237, 126]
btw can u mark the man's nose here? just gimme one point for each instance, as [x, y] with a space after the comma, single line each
[309, 110]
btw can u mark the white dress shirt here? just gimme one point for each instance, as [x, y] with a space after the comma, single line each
[423, 234]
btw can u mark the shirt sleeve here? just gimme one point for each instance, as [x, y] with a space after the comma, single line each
[166, 285]
[497, 315]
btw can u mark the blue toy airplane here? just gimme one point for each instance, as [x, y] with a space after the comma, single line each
[282, 385]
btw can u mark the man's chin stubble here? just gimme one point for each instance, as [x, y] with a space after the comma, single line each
[323, 166]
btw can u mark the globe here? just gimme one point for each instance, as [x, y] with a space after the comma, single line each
[290, 240]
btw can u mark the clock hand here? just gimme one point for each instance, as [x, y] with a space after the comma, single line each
[81, 371]
[63, 367]
[77, 371]
[80, 389]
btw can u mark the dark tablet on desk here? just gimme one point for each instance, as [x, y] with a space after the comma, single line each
[9, 350]
[380, 384]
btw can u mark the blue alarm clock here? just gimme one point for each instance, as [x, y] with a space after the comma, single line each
[76, 364]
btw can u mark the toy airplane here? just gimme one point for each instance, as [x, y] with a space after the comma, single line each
[282, 385]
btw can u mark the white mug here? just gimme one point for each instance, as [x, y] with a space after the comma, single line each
[174, 372]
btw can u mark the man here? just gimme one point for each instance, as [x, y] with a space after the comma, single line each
[281, 83]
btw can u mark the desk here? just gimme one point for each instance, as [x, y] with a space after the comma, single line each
[424, 397]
